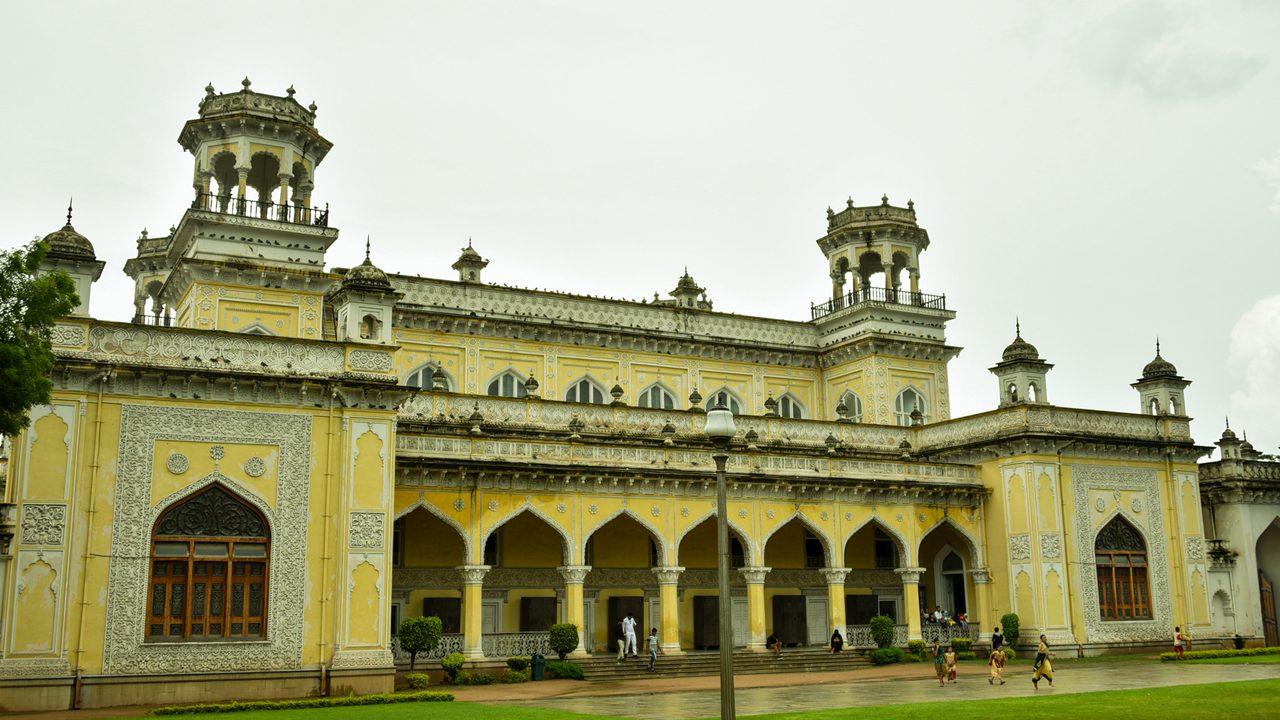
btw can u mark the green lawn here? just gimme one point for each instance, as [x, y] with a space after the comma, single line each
[1237, 700]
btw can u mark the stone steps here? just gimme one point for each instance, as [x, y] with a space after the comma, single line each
[745, 662]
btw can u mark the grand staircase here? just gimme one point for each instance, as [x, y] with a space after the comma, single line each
[745, 662]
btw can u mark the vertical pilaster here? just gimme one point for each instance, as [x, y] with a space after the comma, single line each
[835, 597]
[472, 616]
[755, 606]
[574, 576]
[911, 599]
[982, 607]
[669, 600]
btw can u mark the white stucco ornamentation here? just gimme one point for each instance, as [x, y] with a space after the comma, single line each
[43, 524]
[1020, 547]
[1050, 546]
[126, 651]
[368, 530]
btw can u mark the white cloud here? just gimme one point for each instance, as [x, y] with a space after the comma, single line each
[1255, 353]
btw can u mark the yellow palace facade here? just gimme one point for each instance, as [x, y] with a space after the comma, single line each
[242, 492]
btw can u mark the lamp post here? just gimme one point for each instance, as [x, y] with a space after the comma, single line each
[720, 430]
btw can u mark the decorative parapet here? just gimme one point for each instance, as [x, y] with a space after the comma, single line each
[1051, 419]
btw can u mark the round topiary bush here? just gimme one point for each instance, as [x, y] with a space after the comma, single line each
[518, 663]
[564, 639]
[962, 645]
[1009, 623]
[417, 681]
[452, 663]
[887, 655]
[882, 631]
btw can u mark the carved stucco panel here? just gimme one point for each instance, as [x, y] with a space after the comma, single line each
[141, 426]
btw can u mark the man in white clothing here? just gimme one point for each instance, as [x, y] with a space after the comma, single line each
[629, 630]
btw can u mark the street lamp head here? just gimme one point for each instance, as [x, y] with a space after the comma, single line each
[720, 428]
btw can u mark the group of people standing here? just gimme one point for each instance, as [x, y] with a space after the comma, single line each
[626, 638]
[946, 662]
[944, 617]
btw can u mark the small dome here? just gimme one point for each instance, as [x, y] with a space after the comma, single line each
[469, 253]
[1228, 434]
[1020, 349]
[1159, 368]
[366, 275]
[69, 243]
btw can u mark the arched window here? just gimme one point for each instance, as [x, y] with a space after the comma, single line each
[1013, 392]
[909, 399]
[1154, 406]
[1173, 406]
[852, 406]
[370, 327]
[508, 384]
[1121, 557]
[585, 391]
[427, 376]
[789, 407]
[209, 557]
[725, 398]
[657, 397]
[1032, 392]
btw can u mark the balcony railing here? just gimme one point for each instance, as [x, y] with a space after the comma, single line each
[494, 645]
[879, 295]
[859, 636]
[244, 207]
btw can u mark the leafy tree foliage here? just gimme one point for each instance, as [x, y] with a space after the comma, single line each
[419, 635]
[30, 303]
[882, 631]
[1011, 625]
[564, 639]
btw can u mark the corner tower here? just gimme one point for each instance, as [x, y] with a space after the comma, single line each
[883, 339]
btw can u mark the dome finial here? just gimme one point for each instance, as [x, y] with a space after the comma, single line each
[1157, 346]
[1228, 419]
[70, 202]
[246, 83]
[1017, 326]
[367, 243]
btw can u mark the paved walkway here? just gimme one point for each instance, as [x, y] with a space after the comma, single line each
[699, 697]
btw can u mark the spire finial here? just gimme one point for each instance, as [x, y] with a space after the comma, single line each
[246, 83]
[366, 248]
[70, 202]
[1157, 346]
[1017, 326]
[1228, 422]
[468, 242]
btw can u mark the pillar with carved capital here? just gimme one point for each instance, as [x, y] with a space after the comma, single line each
[837, 289]
[835, 597]
[978, 610]
[669, 602]
[203, 180]
[574, 576]
[755, 606]
[915, 279]
[472, 589]
[911, 599]
[242, 189]
[284, 192]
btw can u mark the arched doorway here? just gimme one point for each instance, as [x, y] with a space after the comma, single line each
[872, 587]
[796, 603]
[621, 554]
[700, 613]
[1268, 555]
[946, 586]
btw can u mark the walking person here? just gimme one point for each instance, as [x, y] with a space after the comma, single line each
[1179, 643]
[653, 650]
[939, 663]
[837, 641]
[953, 667]
[629, 632]
[997, 640]
[996, 662]
[620, 637]
[1043, 668]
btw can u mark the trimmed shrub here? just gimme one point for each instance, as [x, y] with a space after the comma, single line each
[1009, 654]
[418, 681]
[1208, 654]
[966, 655]
[882, 631]
[470, 678]
[564, 669]
[515, 676]
[918, 647]
[302, 703]
[962, 645]
[1010, 624]
[887, 655]
[913, 658]
[452, 663]
[419, 635]
[564, 639]
[519, 663]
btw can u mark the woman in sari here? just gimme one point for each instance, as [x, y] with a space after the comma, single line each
[1043, 668]
[939, 663]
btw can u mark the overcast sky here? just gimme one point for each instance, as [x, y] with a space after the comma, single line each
[1110, 172]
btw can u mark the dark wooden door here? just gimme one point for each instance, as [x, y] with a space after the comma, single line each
[449, 610]
[537, 613]
[1268, 610]
[788, 619]
[706, 622]
[619, 607]
[859, 609]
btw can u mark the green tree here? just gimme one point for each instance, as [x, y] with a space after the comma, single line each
[30, 304]
[419, 635]
[564, 639]
[882, 631]
[1011, 627]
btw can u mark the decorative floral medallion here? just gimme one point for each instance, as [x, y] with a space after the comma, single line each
[255, 467]
[593, 508]
[824, 515]
[177, 463]
[561, 507]
[1136, 504]
[684, 512]
[217, 452]
[459, 505]
[848, 516]
[1100, 505]
[493, 506]
[770, 513]
[655, 511]
[742, 514]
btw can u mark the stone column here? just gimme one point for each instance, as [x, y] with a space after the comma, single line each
[284, 194]
[574, 576]
[981, 605]
[755, 606]
[669, 602]
[837, 289]
[835, 598]
[202, 187]
[911, 599]
[472, 591]
[915, 279]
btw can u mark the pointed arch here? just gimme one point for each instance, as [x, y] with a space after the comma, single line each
[852, 405]
[425, 377]
[728, 397]
[654, 533]
[747, 544]
[1122, 570]
[658, 396]
[443, 517]
[972, 546]
[906, 558]
[567, 544]
[910, 398]
[586, 389]
[828, 549]
[241, 492]
[256, 328]
[789, 406]
[507, 383]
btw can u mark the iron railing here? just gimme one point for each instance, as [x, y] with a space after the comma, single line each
[879, 295]
[449, 643]
[295, 214]
[946, 633]
[493, 645]
[859, 636]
